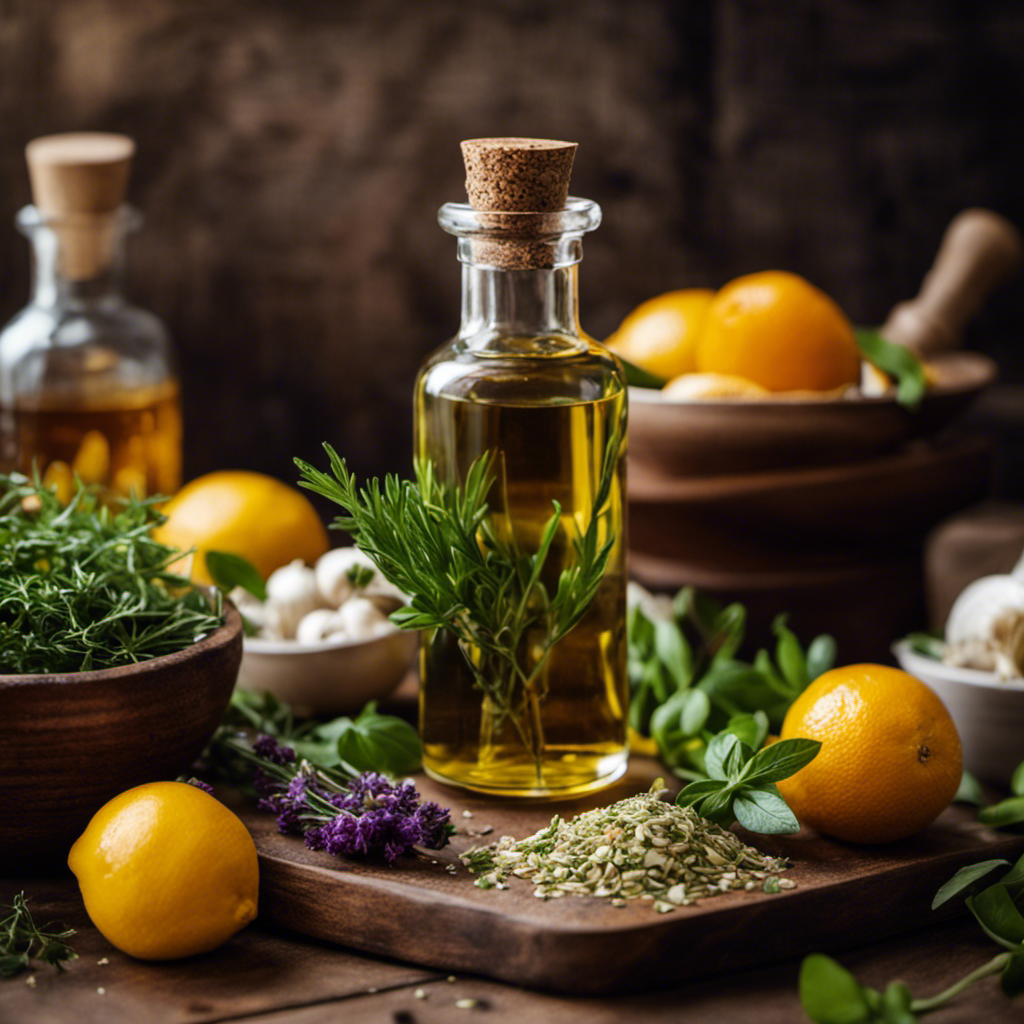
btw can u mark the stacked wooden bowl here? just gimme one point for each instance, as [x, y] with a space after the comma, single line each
[820, 507]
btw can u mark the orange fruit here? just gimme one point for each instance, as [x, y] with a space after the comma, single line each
[247, 514]
[166, 871]
[781, 332]
[660, 335]
[692, 387]
[890, 759]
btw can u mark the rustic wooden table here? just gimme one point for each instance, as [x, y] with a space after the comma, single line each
[271, 977]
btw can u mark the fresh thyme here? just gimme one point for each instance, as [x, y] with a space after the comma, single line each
[86, 586]
[22, 940]
[438, 543]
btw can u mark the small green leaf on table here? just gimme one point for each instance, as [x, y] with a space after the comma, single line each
[964, 878]
[375, 742]
[970, 791]
[830, 994]
[998, 915]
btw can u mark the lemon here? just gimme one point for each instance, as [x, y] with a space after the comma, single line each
[697, 386]
[890, 758]
[166, 871]
[778, 330]
[247, 514]
[661, 334]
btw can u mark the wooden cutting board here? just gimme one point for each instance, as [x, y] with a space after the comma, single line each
[425, 913]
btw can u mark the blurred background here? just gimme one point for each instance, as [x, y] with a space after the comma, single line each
[292, 155]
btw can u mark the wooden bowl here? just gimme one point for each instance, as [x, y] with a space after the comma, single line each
[709, 438]
[71, 742]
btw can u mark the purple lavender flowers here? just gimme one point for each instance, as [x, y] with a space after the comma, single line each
[368, 815]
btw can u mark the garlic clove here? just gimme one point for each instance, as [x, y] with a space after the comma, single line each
[332, 574]
[360, 619]
[977, 610]
[316, 626]
[291, 594]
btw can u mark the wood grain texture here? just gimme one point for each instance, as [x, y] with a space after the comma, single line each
[292, 154]
[420, 912]
[71, 742]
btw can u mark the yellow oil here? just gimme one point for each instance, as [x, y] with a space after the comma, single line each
[550, 420]
[129, 443]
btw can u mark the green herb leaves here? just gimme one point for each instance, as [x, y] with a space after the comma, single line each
[741, 784]
[86, 586]
[370, 742]
[229, 571]
[898, 362]
[832, 995]
[437, 543]
[22, 940]
[1010, 811]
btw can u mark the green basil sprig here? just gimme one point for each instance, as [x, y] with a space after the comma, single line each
[741, 784]
[830, 994]
[898, 362]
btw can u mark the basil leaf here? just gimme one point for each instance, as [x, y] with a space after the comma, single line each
[965, 877]
[697, 791]
[1012, 978]
[895, 1004]
[751, 729]
[229, 571]
[927, 644]
[790, 657]
[717, 808]
[674, 652]
[821, 656]
[997, 915]
[762, 809]
[1017, 780]
[1006, 812]
[1014, 878]
[898, 362]
[379, 743]
[639, 377]
[830, 994]
[970, 791]
[719, 749]
[727, 632]
[781, 760]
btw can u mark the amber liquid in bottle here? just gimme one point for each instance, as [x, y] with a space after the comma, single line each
[550, 419]
[129, 444]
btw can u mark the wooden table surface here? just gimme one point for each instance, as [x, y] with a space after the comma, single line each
[271, 977]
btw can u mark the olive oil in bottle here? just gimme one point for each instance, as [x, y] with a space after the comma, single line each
[522, 383]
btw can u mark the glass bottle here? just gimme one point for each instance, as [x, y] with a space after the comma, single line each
[521, 380]
[87, 383]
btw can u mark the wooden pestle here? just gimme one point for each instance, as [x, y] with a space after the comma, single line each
[980, 251]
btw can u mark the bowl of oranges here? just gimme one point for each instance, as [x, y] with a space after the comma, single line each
[768, 373]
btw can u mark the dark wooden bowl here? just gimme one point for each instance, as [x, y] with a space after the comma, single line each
[71, 742]
[675, 439]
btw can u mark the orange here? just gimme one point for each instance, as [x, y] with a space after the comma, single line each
[166, 871]
[781, 332]
[661, 334]
[890, 758]
[692, 387]
[247, 514]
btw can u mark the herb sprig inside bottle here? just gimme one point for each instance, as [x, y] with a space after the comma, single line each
[439, 544]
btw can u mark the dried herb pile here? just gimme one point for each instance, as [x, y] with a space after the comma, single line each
[86, 587]
[641, 847]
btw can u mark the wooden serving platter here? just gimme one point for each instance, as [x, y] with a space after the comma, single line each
[432, 913]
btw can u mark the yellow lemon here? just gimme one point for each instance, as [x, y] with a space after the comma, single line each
[890, 755]
[660, 335]
[781, 332]
[247, 514]
[166, 871]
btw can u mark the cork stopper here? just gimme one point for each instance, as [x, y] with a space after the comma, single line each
[78, 180]
[510, 178]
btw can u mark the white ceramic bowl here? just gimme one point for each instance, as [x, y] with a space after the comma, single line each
[332, 677]
[988, 712]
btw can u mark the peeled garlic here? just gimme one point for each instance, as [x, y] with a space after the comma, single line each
[291, 594]
[317, 625]
[332, 574]
[360, 619]
[986, 625]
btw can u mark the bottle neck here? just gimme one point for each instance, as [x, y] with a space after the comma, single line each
[519, 312]
[77, 262]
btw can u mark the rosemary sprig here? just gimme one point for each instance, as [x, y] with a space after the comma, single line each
[86, 586]
[22, 940]
[438, 543]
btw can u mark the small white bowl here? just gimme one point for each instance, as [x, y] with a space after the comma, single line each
[332, 677]
[988, 712]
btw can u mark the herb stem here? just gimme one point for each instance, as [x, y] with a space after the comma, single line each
[994, 966]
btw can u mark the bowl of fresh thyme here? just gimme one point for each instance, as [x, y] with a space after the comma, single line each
[114, 671]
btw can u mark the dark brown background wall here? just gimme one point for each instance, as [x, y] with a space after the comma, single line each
[292, 154]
